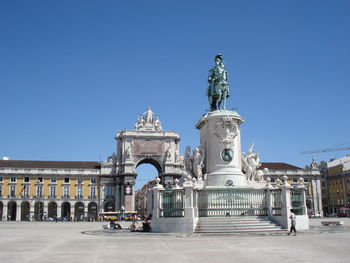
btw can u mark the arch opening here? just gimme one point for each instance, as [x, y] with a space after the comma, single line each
[65, 211]
[11, 211]
[92, 211]
[146, 170]
[109, 206]
[25, 211]
[52, 210]
[79, 211]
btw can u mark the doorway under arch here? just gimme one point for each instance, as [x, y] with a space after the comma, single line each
[25, 211]
[52, 210]
[65, 210]
[92, 211]
[12, 211]
[109, 206]
[79, 211]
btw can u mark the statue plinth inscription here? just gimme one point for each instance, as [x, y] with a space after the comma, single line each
[148, 148]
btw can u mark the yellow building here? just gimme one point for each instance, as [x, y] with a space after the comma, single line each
[338, 182]
[38, 190]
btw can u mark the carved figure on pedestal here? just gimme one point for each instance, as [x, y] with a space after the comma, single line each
[111, 160]
[168, 154]
[147, 122]
[218, 89]
[140, 123]
[157, 124]
[250, 163]
[188, 161]
[179, 158]
[128, 152]
[149, 115]
[197, 163]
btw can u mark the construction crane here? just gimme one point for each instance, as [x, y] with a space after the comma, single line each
[331, 149]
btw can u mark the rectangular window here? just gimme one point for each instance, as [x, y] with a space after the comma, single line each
[66, 180]
[92, 192]
[80, 180]
[39, 191]
[306, 180]
[12, 191]
[40, 179]
[93, 180]
[53, 191]
[66, 191]
[13, 179]
[272, 180]
[0, 178]
[295, 180]
[26, 179]
[79, 192]
[0, 190]
[53, 180]
[25, 191]
[109, 193]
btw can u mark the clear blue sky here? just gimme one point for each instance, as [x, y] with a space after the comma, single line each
[73, 73]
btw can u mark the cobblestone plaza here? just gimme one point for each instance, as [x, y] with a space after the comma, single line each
[87, 242]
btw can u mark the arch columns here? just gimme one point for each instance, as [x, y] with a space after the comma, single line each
[31, 210]
[4, 210]
[18, 211]
[117, 196]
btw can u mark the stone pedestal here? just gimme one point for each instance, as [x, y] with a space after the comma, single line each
[220, 141]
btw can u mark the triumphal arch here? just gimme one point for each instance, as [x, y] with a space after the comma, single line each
[147, 143]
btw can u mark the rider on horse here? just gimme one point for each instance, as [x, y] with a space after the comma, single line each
[218, 85]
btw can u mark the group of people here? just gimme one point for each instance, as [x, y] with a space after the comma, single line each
[146, 225]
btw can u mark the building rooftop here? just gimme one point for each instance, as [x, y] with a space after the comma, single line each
[97, 165]
[279, 166]
[50, 164]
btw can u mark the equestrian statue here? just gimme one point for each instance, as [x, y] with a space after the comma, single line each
[218, 90]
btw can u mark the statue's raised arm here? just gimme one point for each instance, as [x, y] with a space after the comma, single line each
[218, 90]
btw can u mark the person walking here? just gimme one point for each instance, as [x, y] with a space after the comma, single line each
[293, 223]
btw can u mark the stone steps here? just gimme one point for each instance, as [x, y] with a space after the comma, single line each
[238, 224]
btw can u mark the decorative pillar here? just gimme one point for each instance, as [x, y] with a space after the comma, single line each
[122, 195]
[133, 196]
[59, 209]
[4, 211]
[268, 189]
[45, 209]
[157, 198]
[31, 211]
[286, 202]
[86, 212]
[72, 215]
[18, 212]
[189, 211]
[301, 186]
[117, 197]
